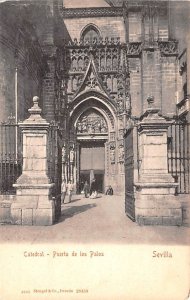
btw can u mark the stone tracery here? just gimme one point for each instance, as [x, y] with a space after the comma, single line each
[94, 72]
[110, 61]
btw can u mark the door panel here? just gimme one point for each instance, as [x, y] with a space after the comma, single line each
[92, 157]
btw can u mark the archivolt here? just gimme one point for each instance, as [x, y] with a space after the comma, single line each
[97, 104]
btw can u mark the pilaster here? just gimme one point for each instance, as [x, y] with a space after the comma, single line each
[156, 203]
[33, 204]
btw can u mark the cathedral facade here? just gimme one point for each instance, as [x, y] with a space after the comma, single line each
[93, 66]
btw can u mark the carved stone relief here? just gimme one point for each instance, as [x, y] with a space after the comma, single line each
[121, 153]
[112, 152]
[91, 123]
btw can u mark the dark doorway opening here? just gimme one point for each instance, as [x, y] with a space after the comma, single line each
[92, 163]
[98, 175]
[99, 182]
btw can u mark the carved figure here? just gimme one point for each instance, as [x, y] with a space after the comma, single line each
[72, 155]
[91, 124]
[63, 154]
[112, 155]
[120, 105]
[121, 153]
[79, 127]
[90, 128]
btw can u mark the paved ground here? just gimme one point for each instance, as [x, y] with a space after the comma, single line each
[95, 220]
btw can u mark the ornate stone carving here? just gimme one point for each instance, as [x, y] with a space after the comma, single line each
[63, 154]
[109, 74]
[91, 81]
[106, 58]
[121, 153]
[72, 155]
[93, 123]
[92, 12]
[121, 133]
[133, 49]
[92, 103]
[93, 43]
[112, 153]
[112, 136]
[120, 105]
[168, 48]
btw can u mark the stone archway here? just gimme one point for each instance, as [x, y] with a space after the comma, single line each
[92, 134]
[92, 131]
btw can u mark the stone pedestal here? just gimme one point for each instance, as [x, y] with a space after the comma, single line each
[34, 204]
[156, 203]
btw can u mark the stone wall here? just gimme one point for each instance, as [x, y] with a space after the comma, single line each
[49, 90]
[21, 64]
[108, 26]
[154, 74]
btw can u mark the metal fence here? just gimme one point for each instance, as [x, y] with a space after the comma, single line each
[178, 155]
[10, 156]
[54, 157]
[130, 140]
[55, 164]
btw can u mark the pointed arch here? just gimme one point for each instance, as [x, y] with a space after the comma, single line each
[90, 32]
[98, 103]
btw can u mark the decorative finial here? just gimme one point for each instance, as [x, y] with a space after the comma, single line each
[35, 109]
[150, 101]
[36, 99]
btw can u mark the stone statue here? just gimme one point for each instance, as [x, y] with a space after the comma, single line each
[72, 155]
[112, 155]
[79, 127]
[63, 154]
[121, 153]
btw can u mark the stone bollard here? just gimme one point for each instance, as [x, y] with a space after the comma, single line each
[34, 204]
[156, 203]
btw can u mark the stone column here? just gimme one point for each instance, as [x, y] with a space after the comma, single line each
[156, 203]
[34, 204]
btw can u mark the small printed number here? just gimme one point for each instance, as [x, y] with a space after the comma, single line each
[82, 291]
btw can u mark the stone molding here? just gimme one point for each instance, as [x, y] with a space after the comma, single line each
[69, 13]
[183, 107]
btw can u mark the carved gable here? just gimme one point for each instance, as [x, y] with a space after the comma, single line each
[91, 81]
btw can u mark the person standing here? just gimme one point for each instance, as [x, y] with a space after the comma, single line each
[70, 190]
[63, 190]
[86, 189]
[93, 190]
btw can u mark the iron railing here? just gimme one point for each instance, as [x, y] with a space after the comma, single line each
[179, 155]
[54, 156]
[10, 156]
[54, 160]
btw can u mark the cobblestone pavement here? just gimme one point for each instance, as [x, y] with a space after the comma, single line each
[100, 220]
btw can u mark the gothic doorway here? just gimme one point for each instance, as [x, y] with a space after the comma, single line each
[92, 163]
[91, 134]
[94, 137]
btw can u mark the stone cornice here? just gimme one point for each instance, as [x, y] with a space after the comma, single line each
[69, 13]
[112, 11]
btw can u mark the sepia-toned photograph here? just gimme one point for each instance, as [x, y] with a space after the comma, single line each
[95, 147]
